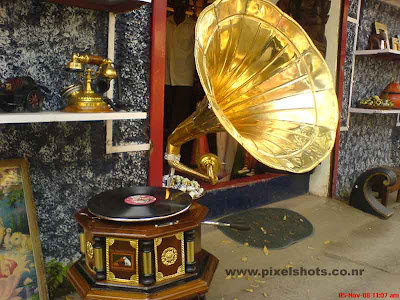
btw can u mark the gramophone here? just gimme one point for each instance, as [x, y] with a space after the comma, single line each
[269, 87]
[266, 84]
[88, 98]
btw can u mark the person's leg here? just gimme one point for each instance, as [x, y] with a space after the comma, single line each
[182, 108]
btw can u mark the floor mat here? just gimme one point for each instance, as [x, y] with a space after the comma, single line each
[275, 228]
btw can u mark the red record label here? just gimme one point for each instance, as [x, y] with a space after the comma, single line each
[140, 200]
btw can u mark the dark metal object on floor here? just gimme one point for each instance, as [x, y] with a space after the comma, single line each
[376, 180]
[272, 227]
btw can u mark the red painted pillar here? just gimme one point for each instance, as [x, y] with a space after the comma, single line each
[157, 79]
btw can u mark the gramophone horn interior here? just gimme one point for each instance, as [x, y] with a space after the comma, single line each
[267, 83]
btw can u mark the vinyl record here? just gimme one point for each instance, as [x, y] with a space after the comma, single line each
[139, 204]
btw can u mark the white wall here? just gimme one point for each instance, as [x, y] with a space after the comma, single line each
[319, 180]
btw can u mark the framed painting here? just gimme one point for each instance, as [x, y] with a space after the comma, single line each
[22, 274]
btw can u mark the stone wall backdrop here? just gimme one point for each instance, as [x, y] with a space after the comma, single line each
[68, 164]
[372, 140]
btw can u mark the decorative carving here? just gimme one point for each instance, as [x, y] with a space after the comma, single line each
[181, 269]
[179, 236]
[89, 250]
[157, 242]
[312, 15]
[89, 256]
[134, 244]
[169, 256]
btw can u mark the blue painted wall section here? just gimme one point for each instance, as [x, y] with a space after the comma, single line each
[229, 200]
[372, 140]
[67, 160]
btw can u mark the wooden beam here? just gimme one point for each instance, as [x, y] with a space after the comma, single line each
[104, 5]
[157, 79]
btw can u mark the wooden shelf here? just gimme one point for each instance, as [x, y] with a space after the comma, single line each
[385, 53]
[392, 2]
[373, 111]
[58, 116]
[115, 6]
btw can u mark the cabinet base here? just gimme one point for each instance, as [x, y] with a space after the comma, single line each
[190, 287]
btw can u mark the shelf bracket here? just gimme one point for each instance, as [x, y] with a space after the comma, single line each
[110, 148]
[357, 22]
[121, 148]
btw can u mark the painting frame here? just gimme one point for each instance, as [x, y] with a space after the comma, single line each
[25, 248]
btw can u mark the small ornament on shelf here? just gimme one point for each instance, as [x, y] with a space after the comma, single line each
[392, 93]
[376, 102]
[22, 93]
[395, 43]
[379, 38]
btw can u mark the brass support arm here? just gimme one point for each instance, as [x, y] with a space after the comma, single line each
[201, 122]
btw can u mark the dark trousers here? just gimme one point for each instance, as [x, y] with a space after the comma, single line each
[178, 105]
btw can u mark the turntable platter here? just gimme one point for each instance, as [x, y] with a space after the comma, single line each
[139, 204]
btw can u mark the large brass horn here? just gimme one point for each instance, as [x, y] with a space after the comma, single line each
[266, 84]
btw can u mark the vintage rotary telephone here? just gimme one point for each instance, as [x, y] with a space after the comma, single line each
[88, 97]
